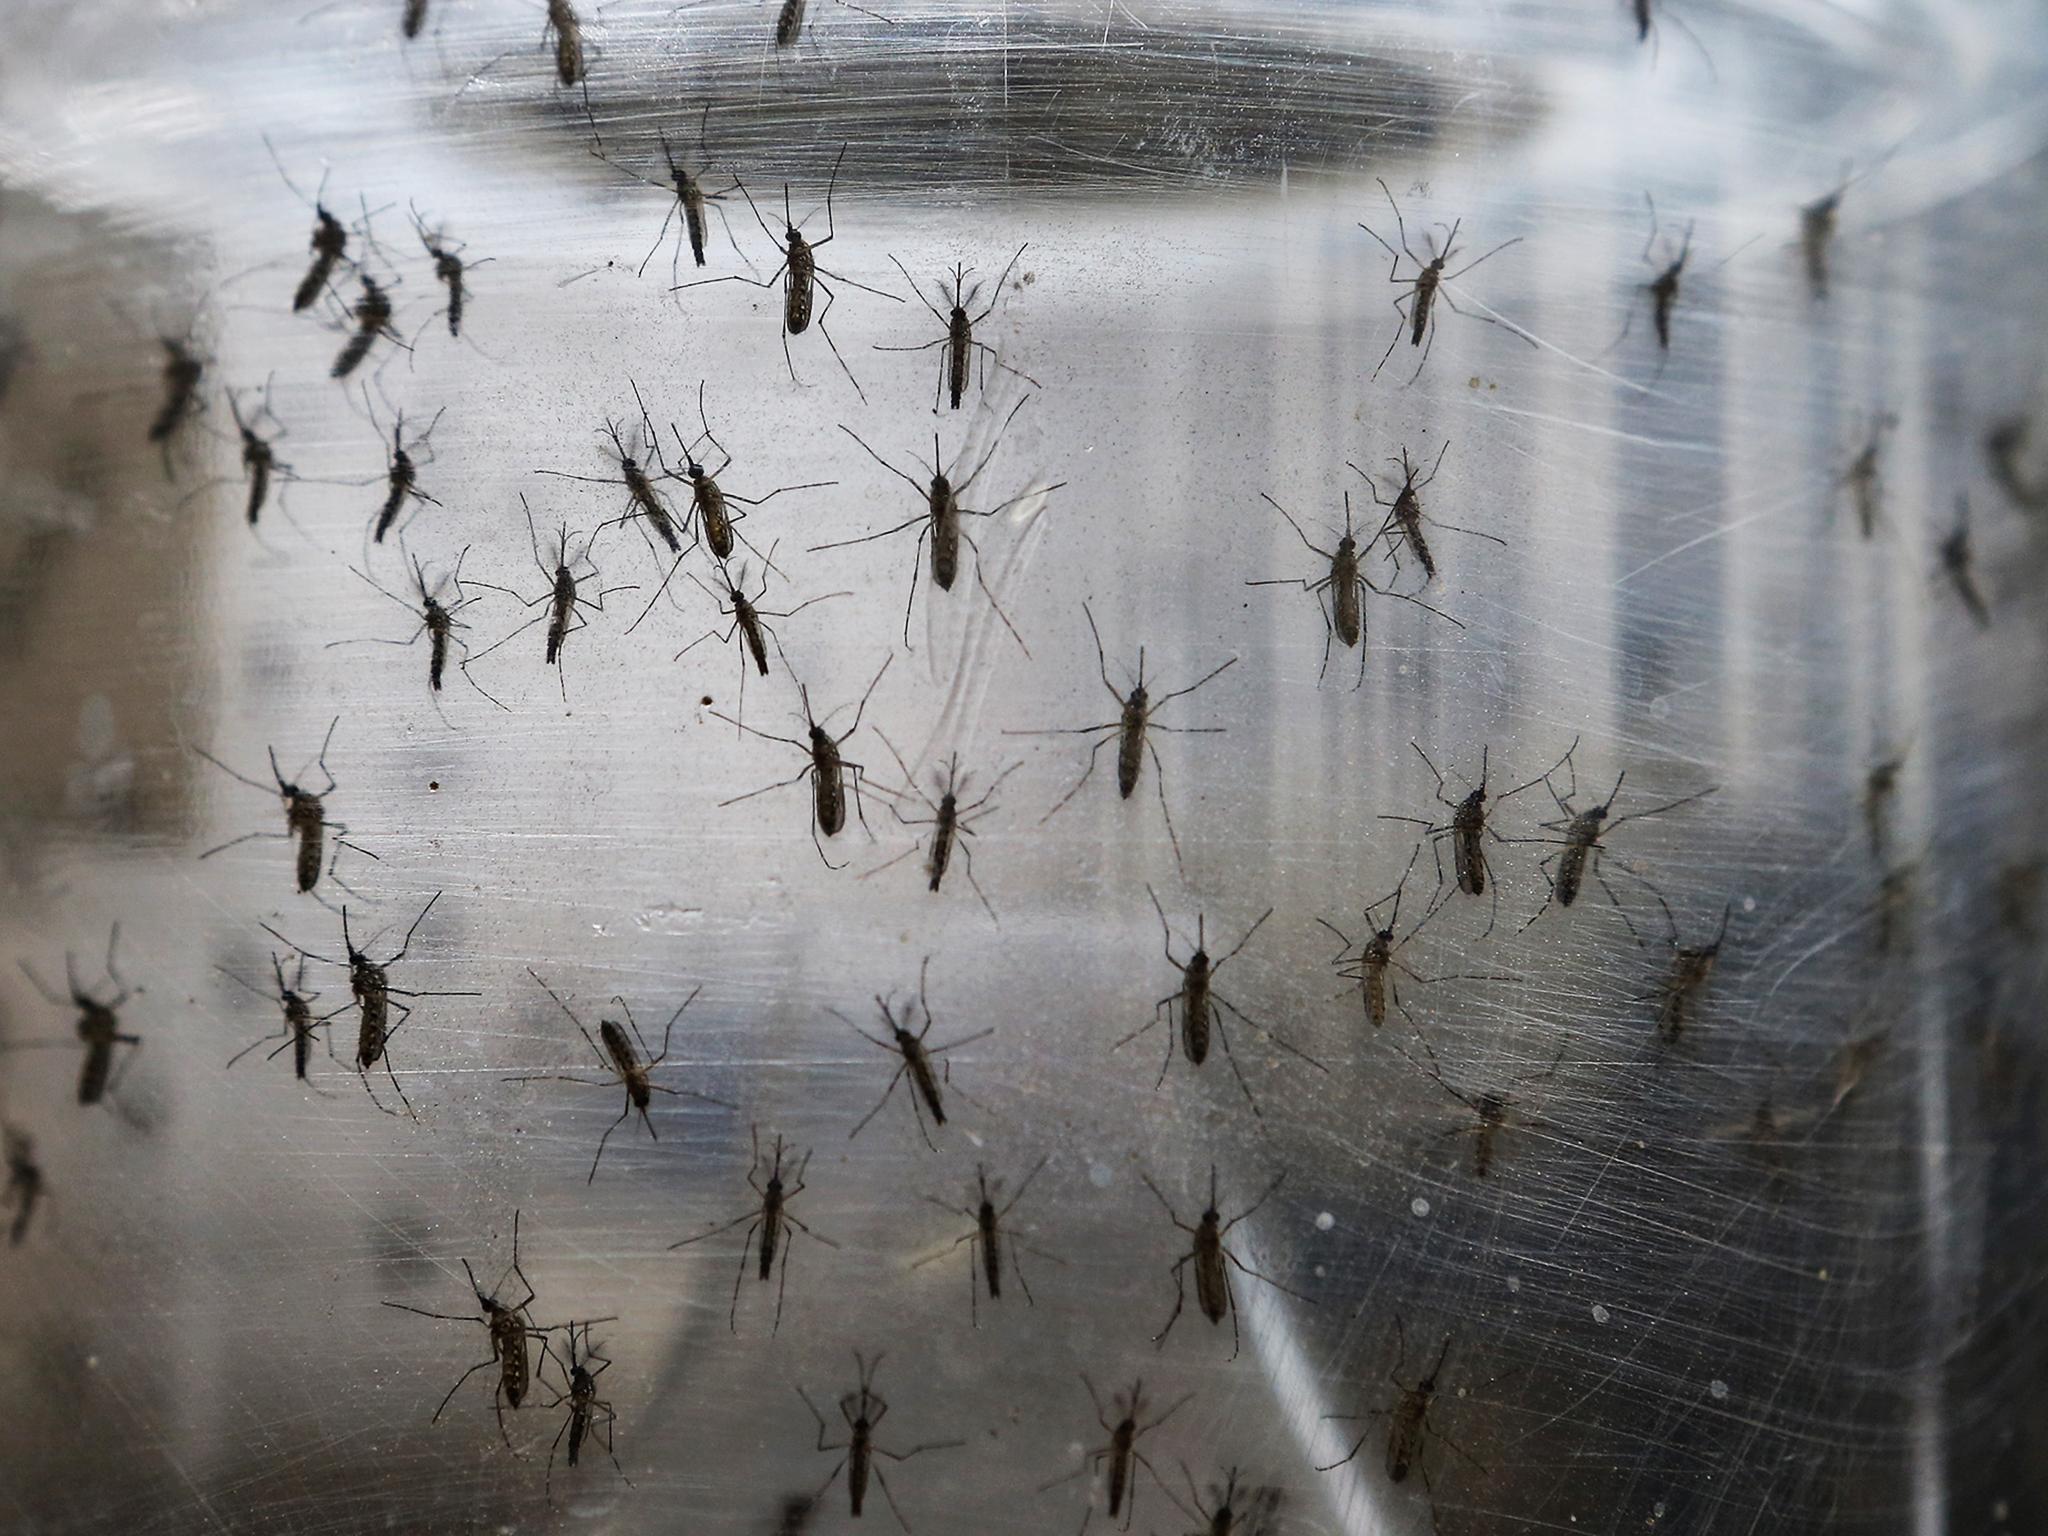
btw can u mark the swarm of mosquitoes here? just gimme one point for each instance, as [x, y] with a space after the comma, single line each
[686, 506]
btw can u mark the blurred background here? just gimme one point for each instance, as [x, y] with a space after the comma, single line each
[1776, 1267]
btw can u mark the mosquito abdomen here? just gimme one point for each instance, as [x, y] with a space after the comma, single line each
[959, 351]
[750, 630]
[942, 840]
[259, 484]
[945, 510]
[921, 1076]
[789, 25]
[93, 1075]
[693, 217]
[1376, 992]
[1194, 1012]
[717, 525]
[508, 1334]
[771, 1231]
[1212, 1286]
[1130, 746]
[828, 793]
[1571, 868]
[311, 825]
[800, 280]
[1344, 599]
[991, 1252]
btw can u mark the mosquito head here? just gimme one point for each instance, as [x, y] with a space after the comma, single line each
[285, 787]
[1348, 545]
[1210, 1216]
[1599, 812]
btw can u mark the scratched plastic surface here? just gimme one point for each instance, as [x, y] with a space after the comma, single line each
[1779, 1274]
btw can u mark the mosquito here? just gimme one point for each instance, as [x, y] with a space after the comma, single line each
[1405, 516]
[961, 349]
[1122, 1452]
[1956, 564]
[1347, 584]
[451, 271]
[863, 1410]
[401, 470]
[826, 769]
[940, 522]
[1493, 1111]
[437, 622]
[1201, 1005]
[628, 1061]
[951, 823]
[1213, 1292]
[1578, 839]
[98, 1024]
[510, 1325]
[565, 604]
[565, 27]
[1430, 283]
[588, 1413]
[917, 1059]
[183, 370]
[262, 469]
[296, 1003]
[710, 503]
[687, 197]
[374, 998]
[1645, 13]
[1691, 969]
[1817, 222]
[1880, 787]
[1663, 288]
[789, 19]
[24, 1182]
[1466, 831]
[1409, 1428]
[1863, 479]
[305, 815]
[772, 1220]
[1225, 1515]
[645, 501]
[329, 242]
[1129, 732]
[259, 453]
[372, 316]
[748, 619]
[800, 274]
[987, 1242]
[1371, 968]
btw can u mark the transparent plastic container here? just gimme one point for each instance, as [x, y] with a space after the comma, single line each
[1772, 1265]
